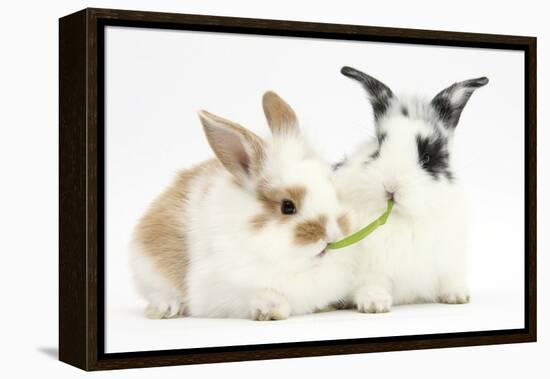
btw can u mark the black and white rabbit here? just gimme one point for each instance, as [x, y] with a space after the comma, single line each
[420, 254]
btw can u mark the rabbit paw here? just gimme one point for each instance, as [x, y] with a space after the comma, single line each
[270, 305]
[373, 300]
[164, 310]
[458, 297]
[453, 290]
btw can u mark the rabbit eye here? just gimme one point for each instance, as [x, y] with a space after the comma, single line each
[425, 159]
[288, 207]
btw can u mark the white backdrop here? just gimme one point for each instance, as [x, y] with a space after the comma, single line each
[29, 217]
[157, 80]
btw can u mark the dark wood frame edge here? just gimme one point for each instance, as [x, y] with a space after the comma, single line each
[73, 284]
[79, 184]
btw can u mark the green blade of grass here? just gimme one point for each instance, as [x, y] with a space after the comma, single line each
[362, 233]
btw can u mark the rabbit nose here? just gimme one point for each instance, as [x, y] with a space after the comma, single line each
[390, 188]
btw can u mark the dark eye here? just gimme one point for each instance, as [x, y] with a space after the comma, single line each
[425, 159]
[288, 207]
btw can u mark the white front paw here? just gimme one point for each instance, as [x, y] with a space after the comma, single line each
[269, 305]
[453, 290]
[456, 297]
[373, 300]
[164, 310]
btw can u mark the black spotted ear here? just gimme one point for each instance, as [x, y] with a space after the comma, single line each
[450, 102]
[379, 94]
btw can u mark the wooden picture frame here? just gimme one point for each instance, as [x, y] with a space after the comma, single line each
[81, 162]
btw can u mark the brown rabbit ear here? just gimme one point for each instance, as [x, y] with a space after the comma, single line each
[280, 117]
[239, 150]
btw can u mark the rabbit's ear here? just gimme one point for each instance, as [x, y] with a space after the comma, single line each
[450, 102]
[238, 149]
[280, 116]
[379, 94]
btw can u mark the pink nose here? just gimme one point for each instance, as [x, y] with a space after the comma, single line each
[391, 189]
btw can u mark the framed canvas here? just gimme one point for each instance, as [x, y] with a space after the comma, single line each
[132, 87]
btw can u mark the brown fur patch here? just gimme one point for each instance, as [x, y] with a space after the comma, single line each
[296, 194]
[337, 305]
[257, 157]
[161, 231]
[310, 231]
[280, 116]
[343, 223]
[259, 221]
[267, 196]
[271, 199]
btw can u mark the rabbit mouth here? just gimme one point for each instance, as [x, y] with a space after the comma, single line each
[322, 253]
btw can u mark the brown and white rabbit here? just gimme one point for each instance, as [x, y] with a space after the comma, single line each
[245, 236]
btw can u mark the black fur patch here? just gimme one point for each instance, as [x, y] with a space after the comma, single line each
[404, 111]
[449, 112]
[381, 136]
[433, 155]
[340, 164]
[374, 155]
[449, 175]
[380, 95]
